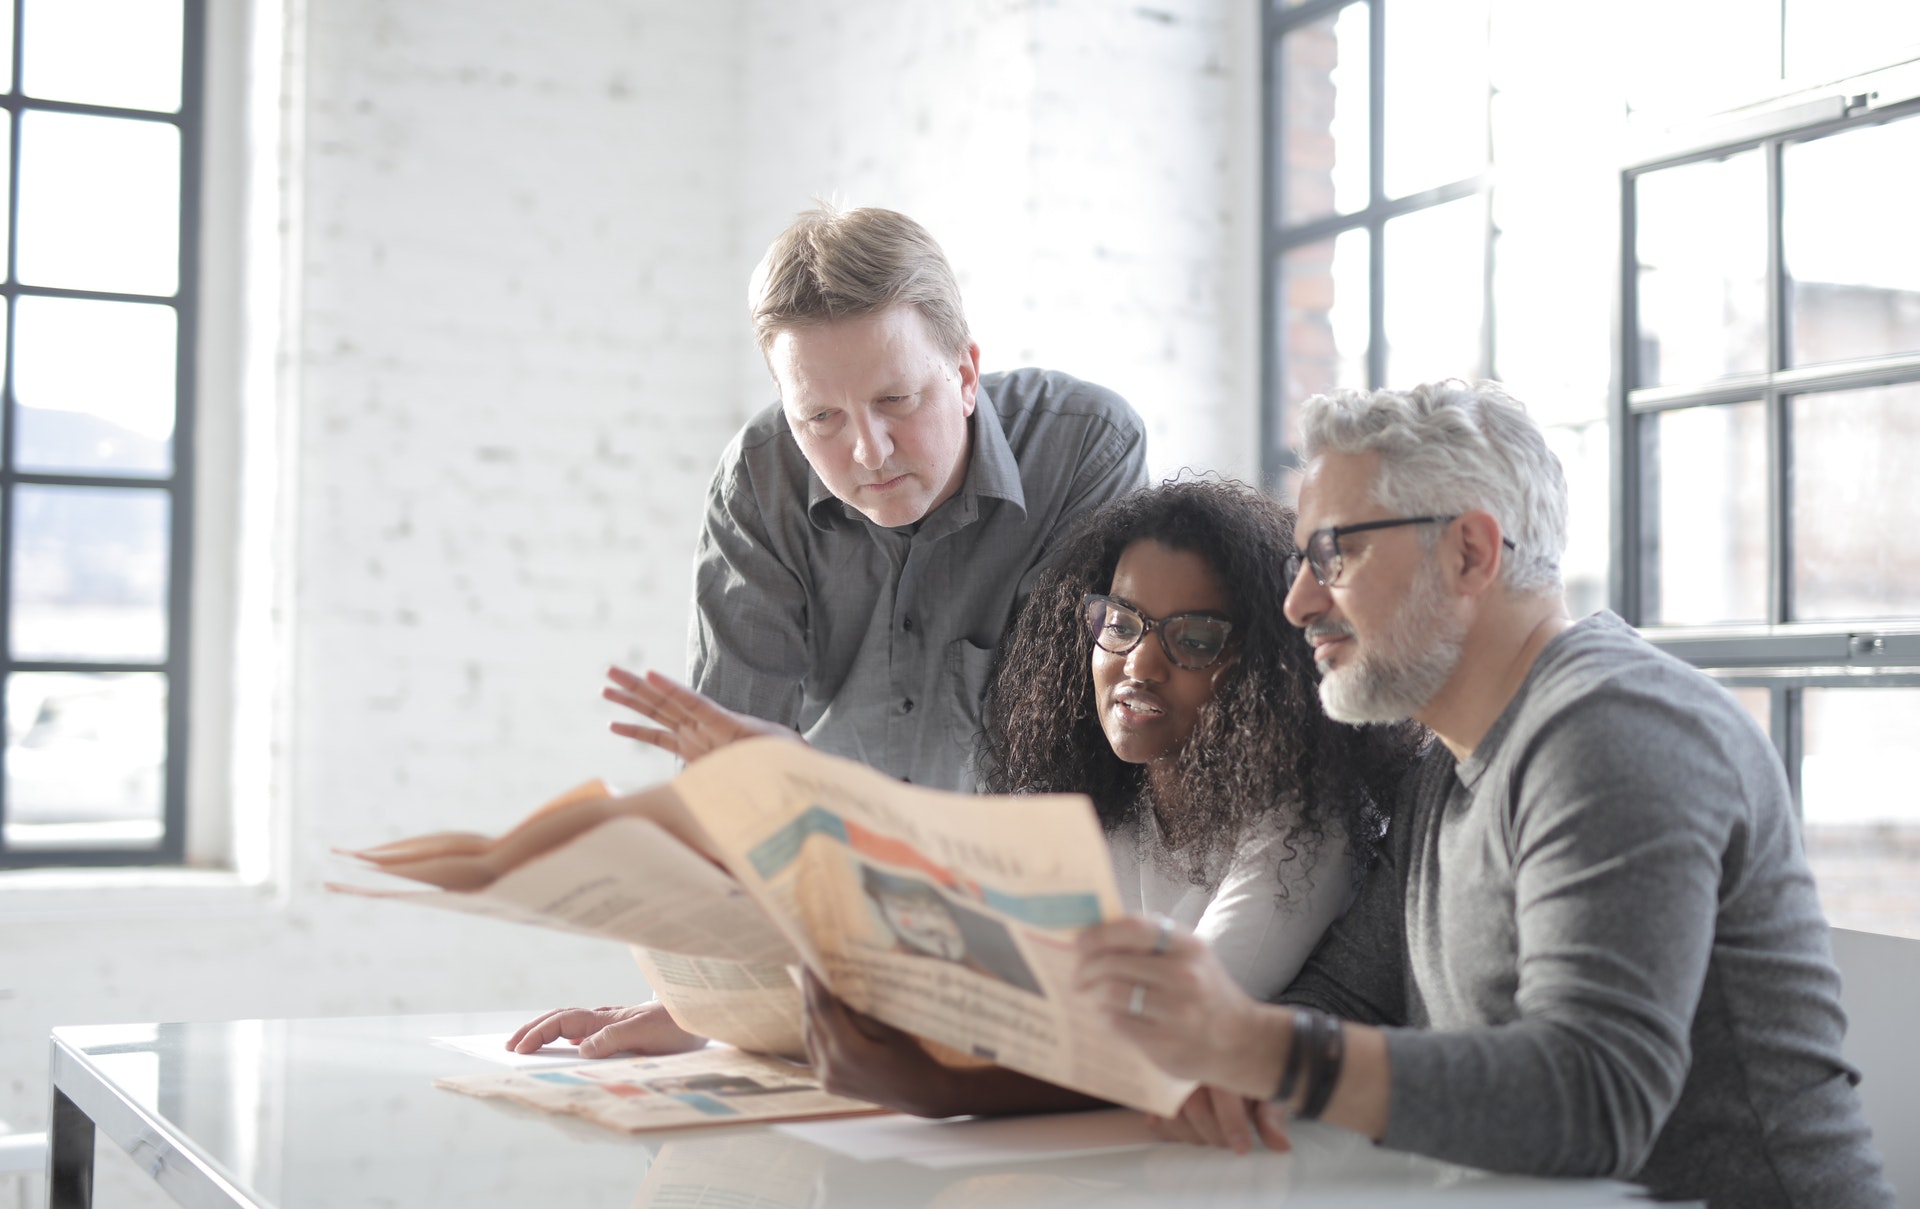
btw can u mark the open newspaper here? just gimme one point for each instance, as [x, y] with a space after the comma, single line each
[951, 916]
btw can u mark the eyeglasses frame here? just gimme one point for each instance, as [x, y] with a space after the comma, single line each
[1333, 533]
[1156, 626]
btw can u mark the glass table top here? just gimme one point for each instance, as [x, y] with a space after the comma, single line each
[300, 1114]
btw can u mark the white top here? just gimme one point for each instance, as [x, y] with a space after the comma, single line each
[1262, 938]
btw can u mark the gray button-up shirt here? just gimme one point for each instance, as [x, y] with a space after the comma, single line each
[876, 643]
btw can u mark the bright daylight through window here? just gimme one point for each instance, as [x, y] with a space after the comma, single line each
[102, 147]
[1700, 274]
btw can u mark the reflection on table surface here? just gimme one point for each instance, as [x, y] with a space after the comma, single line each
[337, 1113]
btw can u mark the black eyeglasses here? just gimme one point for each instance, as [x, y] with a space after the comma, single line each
[1323, 546]
[1192, 640]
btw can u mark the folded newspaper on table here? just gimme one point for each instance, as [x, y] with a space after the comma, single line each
[718, 1085]
[951, 916]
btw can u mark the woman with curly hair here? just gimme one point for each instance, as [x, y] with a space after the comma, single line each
[1152, 669]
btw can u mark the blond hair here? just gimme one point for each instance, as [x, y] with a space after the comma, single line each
[846, 264]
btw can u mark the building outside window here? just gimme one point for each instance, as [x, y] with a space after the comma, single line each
[96, 454]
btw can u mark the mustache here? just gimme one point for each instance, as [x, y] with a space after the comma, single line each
[1328, 629]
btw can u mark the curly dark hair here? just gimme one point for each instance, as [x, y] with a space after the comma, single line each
[1261, 744]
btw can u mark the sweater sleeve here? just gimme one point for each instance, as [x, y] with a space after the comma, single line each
[1615, 816]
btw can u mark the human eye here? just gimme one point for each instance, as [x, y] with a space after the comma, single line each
[821, 420]
[1121, 623]
[1200, 637]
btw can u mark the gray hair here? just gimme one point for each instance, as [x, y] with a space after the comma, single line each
[1450, 447]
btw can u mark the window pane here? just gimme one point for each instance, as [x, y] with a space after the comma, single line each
[90, 573]
[1701, 239]
[1323, 117]
[86, 758]
[1851, 257]
[99, 203]
[1862, 816]
[6, 48]
[1856, 513]
[1831, 38]
[1703, 506]
[1585, 452]
[1436, 292]
[1698, 57]
[1758, 702]
[103, 52]
[94, 383]
[1324, 315]
[1436, 93]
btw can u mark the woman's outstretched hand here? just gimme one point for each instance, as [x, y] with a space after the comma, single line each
[603, 1032]
[687, 724]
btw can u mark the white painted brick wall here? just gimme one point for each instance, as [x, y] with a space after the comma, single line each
[1091, 168]
[527, 236]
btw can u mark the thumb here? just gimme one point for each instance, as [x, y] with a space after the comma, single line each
[607, 1042]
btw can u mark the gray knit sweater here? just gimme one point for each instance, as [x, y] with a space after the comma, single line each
[1599, 942]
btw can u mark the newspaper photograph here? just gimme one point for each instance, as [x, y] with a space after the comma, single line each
[950, 916]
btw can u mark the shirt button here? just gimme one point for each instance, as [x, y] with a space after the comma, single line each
[906, 706]
[907, 625]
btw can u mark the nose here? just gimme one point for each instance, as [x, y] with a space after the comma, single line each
[872, 444]
[1306, 597]
[1147, 662]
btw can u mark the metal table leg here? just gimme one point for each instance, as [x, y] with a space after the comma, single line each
[69, 1156]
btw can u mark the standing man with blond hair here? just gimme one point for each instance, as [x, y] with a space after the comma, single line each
[868, 537]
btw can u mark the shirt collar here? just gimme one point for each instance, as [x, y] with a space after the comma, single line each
[992, 472]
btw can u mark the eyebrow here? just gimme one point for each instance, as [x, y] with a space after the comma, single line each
[1220, 613]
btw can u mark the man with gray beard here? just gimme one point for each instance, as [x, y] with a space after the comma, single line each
[1594, 947]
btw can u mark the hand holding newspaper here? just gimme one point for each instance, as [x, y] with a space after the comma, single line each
[951, 916]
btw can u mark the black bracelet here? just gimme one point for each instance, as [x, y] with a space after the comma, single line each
[1297, 1048]
[1326, 1061]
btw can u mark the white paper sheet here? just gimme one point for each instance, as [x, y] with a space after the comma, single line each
[965, 1141]
[493, 1048]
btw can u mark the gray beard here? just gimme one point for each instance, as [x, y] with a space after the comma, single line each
[1412, 664]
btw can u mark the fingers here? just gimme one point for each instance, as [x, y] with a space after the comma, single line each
[1152, 935]
[1211, 1116]
[571, 1023]
[1233, 1115]
[647, 1029]
[653, 736]
[1270, 1122]
[1174, 1129]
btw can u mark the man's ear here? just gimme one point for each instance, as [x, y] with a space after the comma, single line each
[1478, 553]
[969, 377]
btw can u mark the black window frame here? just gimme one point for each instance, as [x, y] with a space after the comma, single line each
[189, 120]
[1278, 238]
[1779, 655]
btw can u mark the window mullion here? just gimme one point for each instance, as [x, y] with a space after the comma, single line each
[1779, 422]
[1376, 194]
